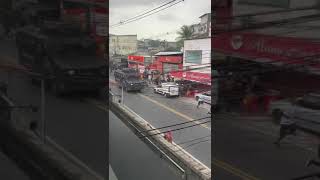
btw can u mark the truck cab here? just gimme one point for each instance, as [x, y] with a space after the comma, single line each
[67, 59]
[129, 79]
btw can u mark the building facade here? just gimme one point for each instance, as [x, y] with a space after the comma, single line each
[122, 44]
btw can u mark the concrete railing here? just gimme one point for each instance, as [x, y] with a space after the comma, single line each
[191, 167]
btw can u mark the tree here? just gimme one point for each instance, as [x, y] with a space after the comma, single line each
[185, 32]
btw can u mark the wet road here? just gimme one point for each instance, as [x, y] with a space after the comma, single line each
[160, 111]
[131, 158]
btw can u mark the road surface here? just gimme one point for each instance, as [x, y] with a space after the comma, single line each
[131, 158]
[160, 111]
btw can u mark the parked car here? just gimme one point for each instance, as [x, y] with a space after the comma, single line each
[204, 96]
[167, 89]
[307, 111]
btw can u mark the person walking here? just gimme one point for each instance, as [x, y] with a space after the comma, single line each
[200, 101]
[287, 124]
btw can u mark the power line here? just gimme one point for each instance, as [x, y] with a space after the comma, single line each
[148, 11]
[175, 124]
[178, 129]
[193, 144]
[148, 14]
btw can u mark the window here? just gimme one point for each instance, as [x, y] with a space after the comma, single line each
[193, 56]
[274, 3]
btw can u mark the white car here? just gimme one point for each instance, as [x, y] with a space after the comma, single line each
[205, 97]
[307, 111]
[167, 89]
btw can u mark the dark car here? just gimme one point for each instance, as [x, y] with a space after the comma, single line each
[68, 61]
[129, 79]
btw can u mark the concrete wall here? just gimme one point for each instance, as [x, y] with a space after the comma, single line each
[123, 44]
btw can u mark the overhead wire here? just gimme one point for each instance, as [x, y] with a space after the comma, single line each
[141, 17]
[144, 12]
[177, 124]
[177, 129]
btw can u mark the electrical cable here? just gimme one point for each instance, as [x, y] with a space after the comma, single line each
[148, 14]
[172, 125]
[183, 148]
[143, 12]
[177, 129]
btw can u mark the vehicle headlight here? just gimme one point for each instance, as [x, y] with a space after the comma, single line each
[71, 72]
[131, 84]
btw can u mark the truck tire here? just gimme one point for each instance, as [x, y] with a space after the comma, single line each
[167, 95]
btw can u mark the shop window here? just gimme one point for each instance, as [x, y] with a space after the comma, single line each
[274, 3]
[193, 56]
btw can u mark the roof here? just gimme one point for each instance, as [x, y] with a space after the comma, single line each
[204, 15]
[168, 53]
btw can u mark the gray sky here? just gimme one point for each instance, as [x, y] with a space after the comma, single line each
[168, 20]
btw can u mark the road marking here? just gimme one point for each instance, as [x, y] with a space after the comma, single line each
[174, 111]
[232, 170]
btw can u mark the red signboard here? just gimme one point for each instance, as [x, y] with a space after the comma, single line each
[138, 59]
[204, 78]
[263, 48]
[169, 59]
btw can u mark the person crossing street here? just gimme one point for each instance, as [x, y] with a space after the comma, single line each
[287, 124]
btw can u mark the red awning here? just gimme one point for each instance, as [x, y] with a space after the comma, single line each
[204, 78]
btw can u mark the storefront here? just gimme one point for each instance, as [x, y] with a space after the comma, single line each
[77, 14]
[165, 62]
[289, 66]
[139, 62]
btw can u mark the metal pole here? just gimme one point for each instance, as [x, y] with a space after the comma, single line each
[43, 110]
[122, 95]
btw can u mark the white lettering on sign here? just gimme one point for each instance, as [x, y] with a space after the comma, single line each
[261, 47]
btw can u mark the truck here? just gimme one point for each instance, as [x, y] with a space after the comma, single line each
[129, 79]
[167, 89]
[64, 56]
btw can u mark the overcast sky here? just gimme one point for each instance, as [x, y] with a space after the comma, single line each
[157, 25]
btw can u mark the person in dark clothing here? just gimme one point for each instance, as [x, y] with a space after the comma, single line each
[287, 124]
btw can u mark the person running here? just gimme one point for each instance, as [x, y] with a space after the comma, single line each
[287, 124]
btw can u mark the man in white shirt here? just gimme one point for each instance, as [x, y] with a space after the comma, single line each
[287, 123]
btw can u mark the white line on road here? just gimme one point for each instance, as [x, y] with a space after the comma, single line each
[175, 112]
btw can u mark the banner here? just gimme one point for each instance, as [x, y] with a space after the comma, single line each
[264, 48]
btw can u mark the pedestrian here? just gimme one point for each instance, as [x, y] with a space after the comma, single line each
[200, 101]
[287, 124]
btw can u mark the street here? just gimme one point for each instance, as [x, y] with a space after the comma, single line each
[130, 158]
[78, 126]
[160, 111]
[244, 151]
